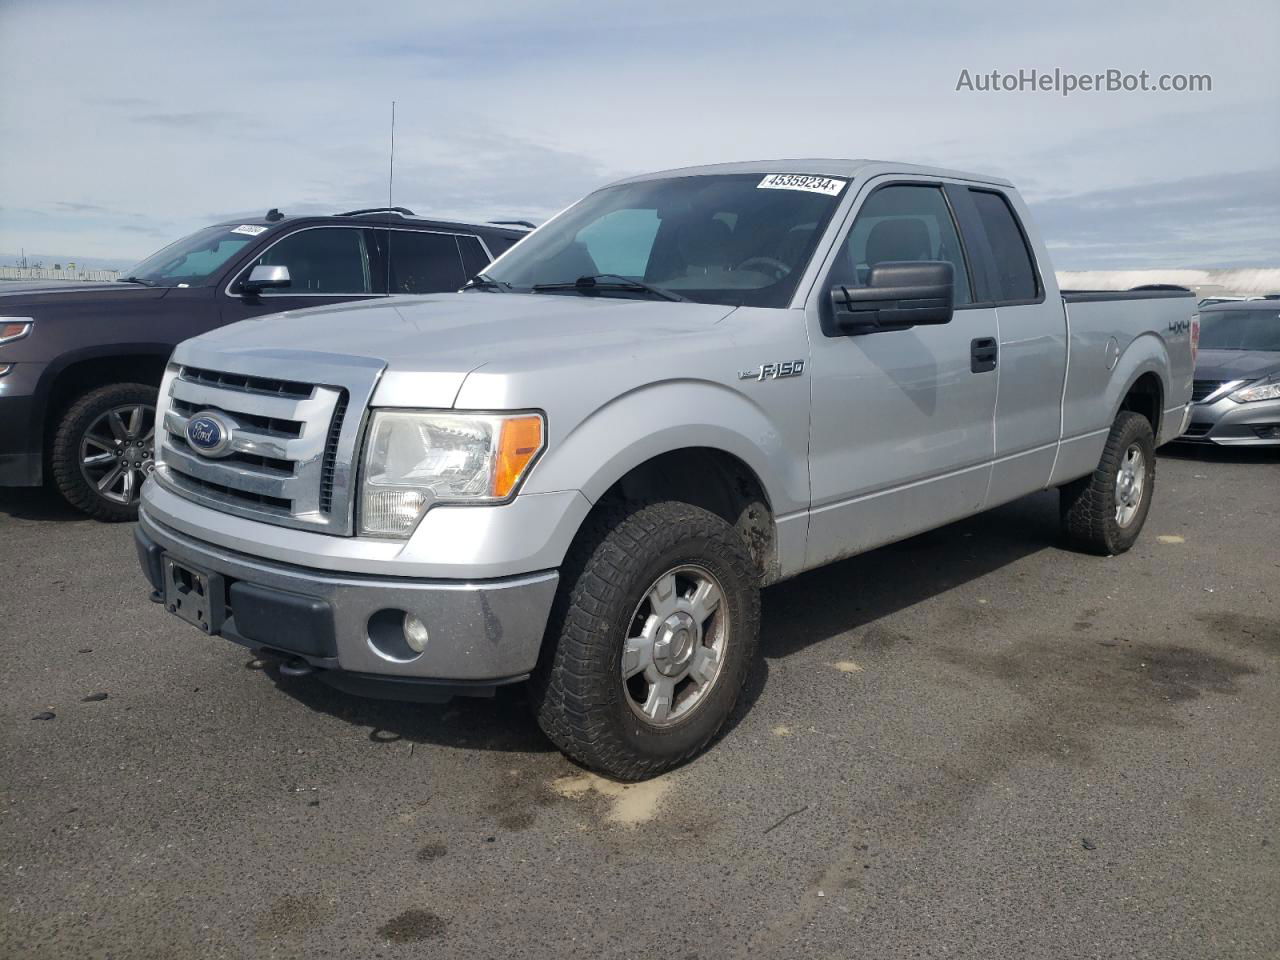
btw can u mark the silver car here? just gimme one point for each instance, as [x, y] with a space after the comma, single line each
[1236, 395]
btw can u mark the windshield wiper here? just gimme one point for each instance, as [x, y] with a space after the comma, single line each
[482, 281]
[614, 281]
[145, 283]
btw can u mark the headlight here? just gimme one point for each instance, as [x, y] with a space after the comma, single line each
[413, 459]
[1263, 390]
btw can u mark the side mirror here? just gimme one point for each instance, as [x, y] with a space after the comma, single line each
[898, 295]
[263, 277]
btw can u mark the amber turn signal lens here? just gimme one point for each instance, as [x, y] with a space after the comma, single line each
[520, 442]
[14, 330]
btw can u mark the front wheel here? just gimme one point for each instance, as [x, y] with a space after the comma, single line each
[650, 640]
[104, 448]
[1104, 512]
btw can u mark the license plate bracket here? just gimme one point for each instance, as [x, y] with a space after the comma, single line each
[194, 595]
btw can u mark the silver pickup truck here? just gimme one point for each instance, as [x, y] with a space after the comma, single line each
[581, 469]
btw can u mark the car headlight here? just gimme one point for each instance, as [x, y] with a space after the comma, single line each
[1262, 390]
[414, 458]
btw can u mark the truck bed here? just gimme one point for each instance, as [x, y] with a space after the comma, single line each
[1118, 337]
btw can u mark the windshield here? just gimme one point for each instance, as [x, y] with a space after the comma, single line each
[193, 260]
[1240, 330]
[737, 240]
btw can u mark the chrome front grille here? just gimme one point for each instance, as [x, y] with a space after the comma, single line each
[1204, 388]
[244, 383]
[285, 461]
[328, 466]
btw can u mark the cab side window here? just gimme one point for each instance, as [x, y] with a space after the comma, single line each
[1015, 270]
[902, 222]
[324, 260]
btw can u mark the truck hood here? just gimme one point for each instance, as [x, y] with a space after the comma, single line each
[427, 345]
[1236, 364]
[17, 295]
[461, 331]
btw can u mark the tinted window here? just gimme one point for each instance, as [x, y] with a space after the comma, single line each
[901, 222]
[620, 242]
[323, 260]
[425, 262]
[192, 260]
[732, 239]
[1240, 330]
[474, 259]
[499, 244]
[1015, 270]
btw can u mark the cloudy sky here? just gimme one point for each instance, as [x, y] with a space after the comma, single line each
[125, 125]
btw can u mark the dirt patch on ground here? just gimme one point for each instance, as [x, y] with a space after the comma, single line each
[629, 804]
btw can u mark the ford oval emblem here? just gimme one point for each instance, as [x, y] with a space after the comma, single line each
[208, 434]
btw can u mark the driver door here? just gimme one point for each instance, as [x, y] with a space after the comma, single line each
[901, 433]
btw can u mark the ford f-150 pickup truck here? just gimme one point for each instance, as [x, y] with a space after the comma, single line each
[581, 470]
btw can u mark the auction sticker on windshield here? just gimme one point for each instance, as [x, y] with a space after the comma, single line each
[249, 229]
[831, 186]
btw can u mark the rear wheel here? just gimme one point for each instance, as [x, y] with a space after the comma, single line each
[1104, 512]
[650, 639]
[104, 448]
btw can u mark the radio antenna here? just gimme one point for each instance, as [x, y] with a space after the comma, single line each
[391, 179]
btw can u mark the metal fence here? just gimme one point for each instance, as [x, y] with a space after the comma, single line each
[43, 273]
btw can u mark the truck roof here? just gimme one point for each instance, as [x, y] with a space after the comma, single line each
[819, 168]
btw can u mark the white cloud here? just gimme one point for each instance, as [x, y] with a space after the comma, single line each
[136, 123]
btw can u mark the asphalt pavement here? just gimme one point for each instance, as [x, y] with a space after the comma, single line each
[972, 744]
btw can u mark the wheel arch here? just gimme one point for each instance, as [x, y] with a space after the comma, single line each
[1139, 382]
[701, 443]
[78, 372]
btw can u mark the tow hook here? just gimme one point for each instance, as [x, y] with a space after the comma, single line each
[297, 667]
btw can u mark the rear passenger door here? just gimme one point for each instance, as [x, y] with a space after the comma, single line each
[326, 265]
[901, 434]
[1032, 333]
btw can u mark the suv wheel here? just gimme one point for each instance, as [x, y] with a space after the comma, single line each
[1104, 512]
[650, 639]
[104, 448]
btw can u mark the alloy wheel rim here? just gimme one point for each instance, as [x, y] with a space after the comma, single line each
[675, 647]
[1131, 480]
[117, 451]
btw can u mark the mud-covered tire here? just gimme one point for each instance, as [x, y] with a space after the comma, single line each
[1091, 507]
[578, 693]
[66, 450]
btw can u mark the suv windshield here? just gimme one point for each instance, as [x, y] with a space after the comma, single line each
[193, 260]
[732, 239]
[1240, 330]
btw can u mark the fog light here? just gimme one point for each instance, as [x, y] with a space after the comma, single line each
[415, 633]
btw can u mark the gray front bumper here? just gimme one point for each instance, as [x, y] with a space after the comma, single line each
[1235, 424]
[486, 631]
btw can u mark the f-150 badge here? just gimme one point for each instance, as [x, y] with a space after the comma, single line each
[773, 371]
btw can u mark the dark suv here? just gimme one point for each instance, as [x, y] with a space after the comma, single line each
[80, 363]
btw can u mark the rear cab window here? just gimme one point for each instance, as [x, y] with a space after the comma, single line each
[1012, 270]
